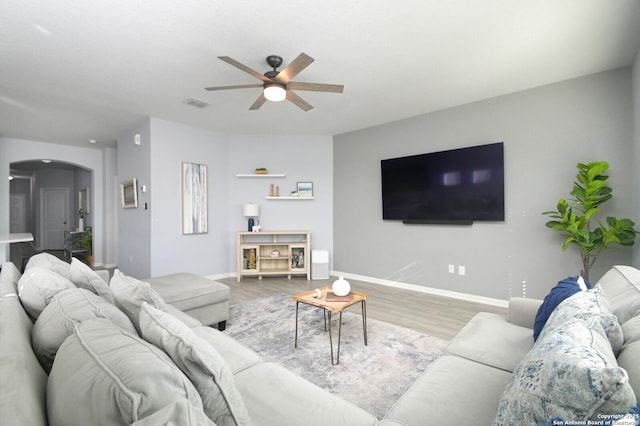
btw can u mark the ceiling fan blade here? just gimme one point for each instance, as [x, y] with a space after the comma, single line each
[259, 102]
[301, 62]
[298, 101]
[243, 67]
[316, 87]
[241, 86]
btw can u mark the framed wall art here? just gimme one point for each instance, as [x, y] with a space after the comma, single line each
[129, 191]
[305, 189]
[83, 200]
[194, 198]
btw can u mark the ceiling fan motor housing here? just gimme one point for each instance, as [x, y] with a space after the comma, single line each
[274, 61]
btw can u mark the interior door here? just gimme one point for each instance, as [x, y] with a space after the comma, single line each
[54, 217]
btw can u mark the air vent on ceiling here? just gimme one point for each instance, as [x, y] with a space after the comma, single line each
[196, 102]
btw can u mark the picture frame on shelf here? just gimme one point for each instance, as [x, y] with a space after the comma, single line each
[129, 192]
[304, 189]
[194, 198]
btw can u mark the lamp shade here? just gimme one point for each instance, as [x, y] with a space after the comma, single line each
[251, 210]
[274, 92]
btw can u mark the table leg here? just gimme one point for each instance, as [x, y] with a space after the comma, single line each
[364, 321]
[295, 345]
[336, 360]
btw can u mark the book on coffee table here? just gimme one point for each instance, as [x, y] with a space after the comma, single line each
[333, 298]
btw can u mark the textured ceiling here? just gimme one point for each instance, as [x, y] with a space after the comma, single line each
[76, 70]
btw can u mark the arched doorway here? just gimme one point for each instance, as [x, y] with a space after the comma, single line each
[45, 198]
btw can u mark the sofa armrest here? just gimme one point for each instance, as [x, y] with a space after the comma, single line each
[522, 311]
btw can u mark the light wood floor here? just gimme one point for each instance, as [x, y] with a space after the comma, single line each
[434, 315]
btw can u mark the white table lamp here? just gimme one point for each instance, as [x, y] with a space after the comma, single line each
[251, 210]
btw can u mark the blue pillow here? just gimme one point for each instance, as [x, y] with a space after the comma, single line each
[564, 289]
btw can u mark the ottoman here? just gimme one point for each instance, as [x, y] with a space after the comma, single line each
[202, 298]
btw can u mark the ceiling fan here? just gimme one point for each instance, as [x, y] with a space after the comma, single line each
[277, 85]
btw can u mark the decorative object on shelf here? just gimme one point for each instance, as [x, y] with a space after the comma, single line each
[251, 262]
[573, 217]
[297, 259]
[261, 171]
[256, 228]
[271, 191]
[304, 189]
[294, 194]
[275, 253]
[129, 192]
[194, 198]
[277, 190]
[341, 287]
[251, 210]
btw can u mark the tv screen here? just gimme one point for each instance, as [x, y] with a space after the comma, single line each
[457, 186]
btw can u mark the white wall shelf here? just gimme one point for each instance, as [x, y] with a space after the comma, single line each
[289, 198]
[255, 175]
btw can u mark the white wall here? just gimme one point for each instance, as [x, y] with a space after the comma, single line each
[546, 131]
[171, 251]
[300, 158]
[636, 151]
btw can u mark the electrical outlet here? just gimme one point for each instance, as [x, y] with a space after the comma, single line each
[462, 270]
[452, 269]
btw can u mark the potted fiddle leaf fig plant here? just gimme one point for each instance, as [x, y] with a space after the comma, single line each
[575, 219]
[86, 242]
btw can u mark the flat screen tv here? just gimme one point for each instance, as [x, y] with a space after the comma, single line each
[458, 186]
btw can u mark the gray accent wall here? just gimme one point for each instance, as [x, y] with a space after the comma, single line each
[546, 131]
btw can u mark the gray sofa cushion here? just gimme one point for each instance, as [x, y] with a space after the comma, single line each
[66, 309]
[180, 413]
[85, 277]
[485, 338]
[622, 287]
[628, 359]
[130, 293]
[50, 262]
[453, 391]
[37, 286]
[200, 362]
[274, 396]
[104, 373]
[22, 381]
[237, 356]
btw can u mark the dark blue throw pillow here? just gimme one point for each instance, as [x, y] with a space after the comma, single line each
[564, 289]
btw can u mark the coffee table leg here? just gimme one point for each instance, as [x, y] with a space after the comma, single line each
[337, 358]
[295, 345]
[364, 321]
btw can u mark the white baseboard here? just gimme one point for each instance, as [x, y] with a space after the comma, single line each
[221, 276]
[430, 290]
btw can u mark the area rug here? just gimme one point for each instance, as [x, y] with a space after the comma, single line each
[372, 377]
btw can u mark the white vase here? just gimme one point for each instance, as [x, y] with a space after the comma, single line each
[341, 287]
[81, 224]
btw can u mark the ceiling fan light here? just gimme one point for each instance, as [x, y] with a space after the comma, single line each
[274, 92]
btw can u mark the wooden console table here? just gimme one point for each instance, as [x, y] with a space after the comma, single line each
[274, 253]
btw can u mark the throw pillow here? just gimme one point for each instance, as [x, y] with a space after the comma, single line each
[564, 289]
[570, 373]
[200, 362]
[180, 413]
[50, 262]
[129, 293]
[66, 309]
[36, 288]
[84, 277]
[587, 306]
[107, 375]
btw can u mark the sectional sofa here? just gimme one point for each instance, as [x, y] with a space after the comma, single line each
[79, 352]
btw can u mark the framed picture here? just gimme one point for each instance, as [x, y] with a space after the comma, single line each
[194, 198]
[129, 191]
[305, 189]
[83, 200]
